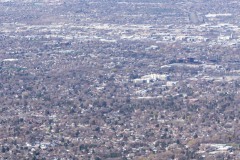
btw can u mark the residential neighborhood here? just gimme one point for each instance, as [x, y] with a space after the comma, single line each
[120, 80]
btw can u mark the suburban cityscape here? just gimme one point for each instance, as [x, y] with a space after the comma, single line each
[120, 79]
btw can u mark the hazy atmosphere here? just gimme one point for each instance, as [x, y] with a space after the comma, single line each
[120, 79]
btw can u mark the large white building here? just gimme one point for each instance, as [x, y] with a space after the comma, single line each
[151, 77]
